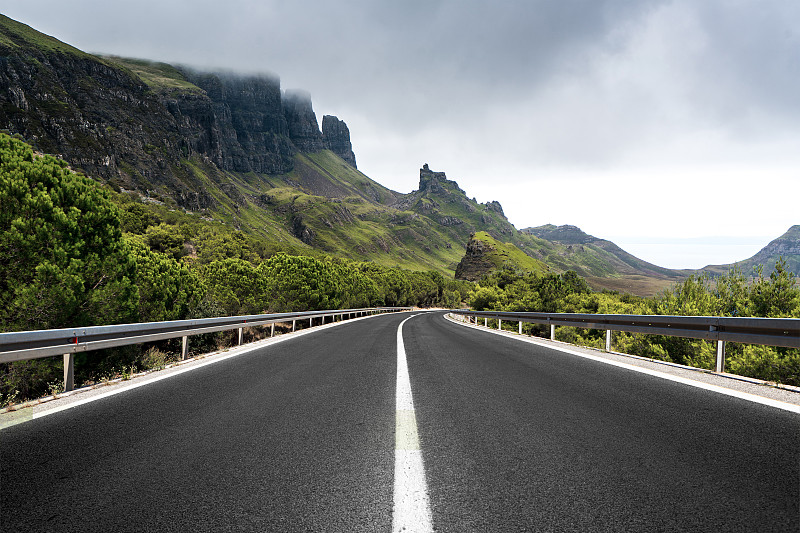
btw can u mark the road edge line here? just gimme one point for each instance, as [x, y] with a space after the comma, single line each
[655, 373]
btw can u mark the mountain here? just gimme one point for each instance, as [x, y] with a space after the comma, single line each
[617, 259]
[485, 254]
[242, 151]
[604, 264]
[787, 246]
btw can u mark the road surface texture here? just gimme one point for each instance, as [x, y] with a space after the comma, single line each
[300, 436]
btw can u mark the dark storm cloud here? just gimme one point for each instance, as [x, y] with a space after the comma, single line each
[439, 51]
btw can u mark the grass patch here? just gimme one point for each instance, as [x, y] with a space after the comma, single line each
[157, 76]
[14, 34]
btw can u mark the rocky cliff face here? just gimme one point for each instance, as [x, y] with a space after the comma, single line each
[435, 182]
[302, 122]
[99, 118]
[336, 138]
[786, 246]
[242, 122]
[111, 121]
[475, 262]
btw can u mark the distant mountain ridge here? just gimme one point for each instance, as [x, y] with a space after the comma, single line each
[572, 236]
[787, 246]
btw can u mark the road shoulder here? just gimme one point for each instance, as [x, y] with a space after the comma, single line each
[730, 383]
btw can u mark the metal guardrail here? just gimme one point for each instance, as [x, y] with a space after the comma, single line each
[24, 345]
[784, 332]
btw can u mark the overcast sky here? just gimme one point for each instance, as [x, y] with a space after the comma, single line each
[655, 124]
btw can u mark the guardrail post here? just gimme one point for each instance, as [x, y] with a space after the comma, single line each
[608, 340]
[272, 330]
[499, 324]
[720, 366]
[552, 332]
[240, 336]
[69, 371]
[311, 322]
[184, 347]
[294, 325]
[520, 327]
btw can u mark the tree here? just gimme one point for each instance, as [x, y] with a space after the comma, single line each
[168, 290]
[296, 283]
[485, 298]
[236, 286]
[166, 239]
[691, 297]
[776, 296]
[733, 294]
[64, 262]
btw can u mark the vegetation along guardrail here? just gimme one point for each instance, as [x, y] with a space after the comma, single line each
[784, 332]
[23, 345]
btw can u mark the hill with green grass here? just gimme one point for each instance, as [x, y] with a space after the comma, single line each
[485, 254]
[786, 247]
[604, 264]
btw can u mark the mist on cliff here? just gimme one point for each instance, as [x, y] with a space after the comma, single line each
[602, 106]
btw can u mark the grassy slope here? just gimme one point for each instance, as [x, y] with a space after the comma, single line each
[14, 34]
[505, 254]
[604, 264]
[351, 215]
[157, 76]
[786, 246]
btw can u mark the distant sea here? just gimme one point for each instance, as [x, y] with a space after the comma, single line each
[693, 253]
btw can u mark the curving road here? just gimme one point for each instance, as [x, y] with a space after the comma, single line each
[300, 436]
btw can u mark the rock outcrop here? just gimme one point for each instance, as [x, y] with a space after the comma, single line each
[302, 122]
[495, 206]
[336, 138]
[300, 230]
[786, 246]
[242, 124]
[475, 262]
[435, 182]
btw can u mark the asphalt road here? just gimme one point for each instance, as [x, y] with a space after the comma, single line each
[299, 436]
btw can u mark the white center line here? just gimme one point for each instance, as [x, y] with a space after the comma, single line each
[412, 512]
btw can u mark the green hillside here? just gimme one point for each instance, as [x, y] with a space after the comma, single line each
[787, 247]
[485, 254]
[604, 264]
[19, 36]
